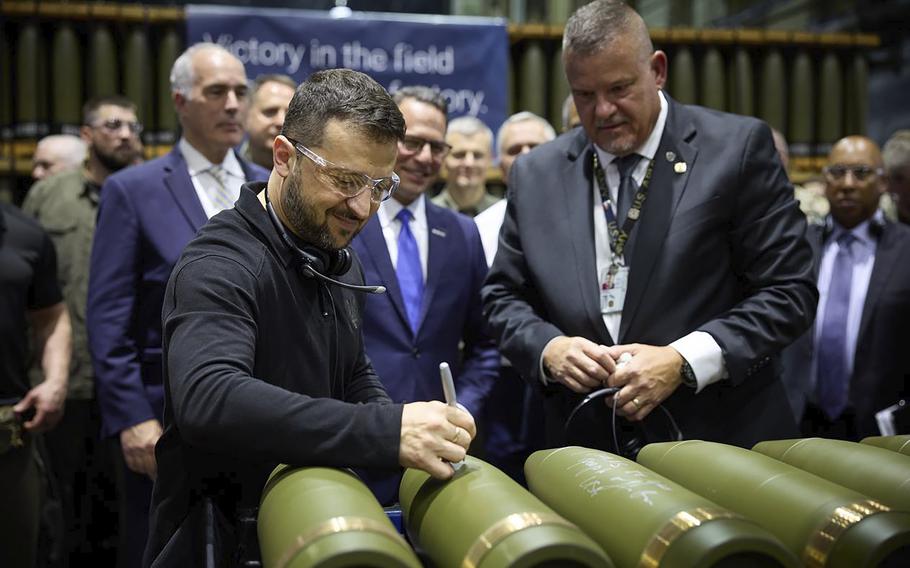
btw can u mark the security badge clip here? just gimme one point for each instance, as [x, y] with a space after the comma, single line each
[613, 289]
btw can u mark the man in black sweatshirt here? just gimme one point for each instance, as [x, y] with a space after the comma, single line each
[263, 351]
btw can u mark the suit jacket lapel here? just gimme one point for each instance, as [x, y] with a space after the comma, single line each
[438, 245]
[374, 241]
[665, 190]
[885, 259]
[178, 182]
[577, 190]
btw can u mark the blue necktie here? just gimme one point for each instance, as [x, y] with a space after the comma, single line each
[833, 375]
[410, 274]
[627, 187]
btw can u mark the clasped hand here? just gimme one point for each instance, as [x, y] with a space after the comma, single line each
[645, 381]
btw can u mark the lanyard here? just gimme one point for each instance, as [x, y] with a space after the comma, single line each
[618, 236]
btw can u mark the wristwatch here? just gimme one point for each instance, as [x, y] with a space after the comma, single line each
[687, 375]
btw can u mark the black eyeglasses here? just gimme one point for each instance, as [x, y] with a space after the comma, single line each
[114, 125]
[415, 144]
[838, 172]
[348, 182]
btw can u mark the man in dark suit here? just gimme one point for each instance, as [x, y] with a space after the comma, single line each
[854, 361]
[431, 261]
[701, 274]
[147, 214]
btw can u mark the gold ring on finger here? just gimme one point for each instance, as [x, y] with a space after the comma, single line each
[636, 403]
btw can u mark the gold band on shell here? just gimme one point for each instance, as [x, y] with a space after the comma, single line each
[676, 527]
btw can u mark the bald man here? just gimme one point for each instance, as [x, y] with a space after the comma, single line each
[57, 153]
[854, 362]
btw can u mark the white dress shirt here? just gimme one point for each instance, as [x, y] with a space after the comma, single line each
[204, 183]
[489, 223]
[698, 348]
[391, 228]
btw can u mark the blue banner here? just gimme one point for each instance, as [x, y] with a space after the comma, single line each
[464, 58]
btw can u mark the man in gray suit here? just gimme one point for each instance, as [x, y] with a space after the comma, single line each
[701, 274]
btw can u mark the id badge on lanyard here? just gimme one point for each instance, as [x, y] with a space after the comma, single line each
[613, 283]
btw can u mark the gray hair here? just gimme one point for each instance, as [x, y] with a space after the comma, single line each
[896, 152]
[424, 95]
[469, 126]
[523, 116]
[71, 149]
[183, 76]
[346, 95]
[594, 26]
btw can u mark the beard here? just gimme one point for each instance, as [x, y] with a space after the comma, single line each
[618, 143]
[300, 214]
[116, 160]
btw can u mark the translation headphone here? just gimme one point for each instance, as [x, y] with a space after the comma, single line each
[630, 437]
[318, 263]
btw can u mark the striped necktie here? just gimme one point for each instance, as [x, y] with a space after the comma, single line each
[219, 192]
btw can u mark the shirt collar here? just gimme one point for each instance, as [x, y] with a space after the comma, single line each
[390, 208]
[196, 163]
[649, 148]
[862, 232]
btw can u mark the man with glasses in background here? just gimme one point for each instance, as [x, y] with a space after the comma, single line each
[146, 215]
[66, 205]
[432, 264]
[854, 362]
[264, 352]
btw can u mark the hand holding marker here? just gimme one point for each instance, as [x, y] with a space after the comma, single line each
[448, 389]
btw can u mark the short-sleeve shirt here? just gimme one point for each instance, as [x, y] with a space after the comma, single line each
[28, 281]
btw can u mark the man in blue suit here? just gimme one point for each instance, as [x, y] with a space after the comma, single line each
[147, 214]
[431, 261]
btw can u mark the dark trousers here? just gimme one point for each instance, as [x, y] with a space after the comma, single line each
[816, 424]
[21, 493]
[514, 423]
[134, 499]
[84, 473]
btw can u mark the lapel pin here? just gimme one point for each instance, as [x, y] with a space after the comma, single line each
[438, 232]
[671, 156]
[679, 167]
